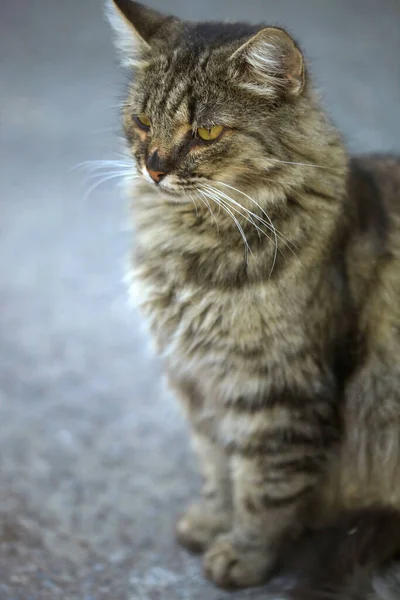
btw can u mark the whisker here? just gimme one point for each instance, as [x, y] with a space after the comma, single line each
[109, 166]
[204, 203]
[250, 220]
[283, 239]
[104, 180]
[105, 173]
[240, 228]
[209, 208]
[96, 165]
[288, 162]
[251, 200]
[192, 198]
[229, 199]
[229, 212]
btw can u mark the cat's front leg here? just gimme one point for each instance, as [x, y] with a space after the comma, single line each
[263, 512]
[276, 461]
[212, 514]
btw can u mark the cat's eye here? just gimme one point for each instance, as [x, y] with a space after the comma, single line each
[211, 133]
[143, 122]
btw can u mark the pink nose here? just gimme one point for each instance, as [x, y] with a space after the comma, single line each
[156, 175]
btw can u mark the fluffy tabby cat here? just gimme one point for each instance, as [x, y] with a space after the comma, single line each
[268, 265]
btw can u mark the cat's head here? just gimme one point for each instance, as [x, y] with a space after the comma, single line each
[209, 102]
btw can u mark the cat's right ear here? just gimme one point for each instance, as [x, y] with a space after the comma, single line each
[135, 26]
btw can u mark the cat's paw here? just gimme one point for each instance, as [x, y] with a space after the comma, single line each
[198, 528]
[231, 566]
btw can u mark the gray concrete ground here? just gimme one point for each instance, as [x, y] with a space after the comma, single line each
[94, 460]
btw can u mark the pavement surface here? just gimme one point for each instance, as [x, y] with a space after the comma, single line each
[94, 457]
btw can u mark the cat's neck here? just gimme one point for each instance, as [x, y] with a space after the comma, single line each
[212, 248]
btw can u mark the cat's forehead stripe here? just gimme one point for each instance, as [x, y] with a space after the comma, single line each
[179, 74]
[176, 101]
[172, 98]
[169, 95]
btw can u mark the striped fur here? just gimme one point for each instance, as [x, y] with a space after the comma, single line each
[280, 332]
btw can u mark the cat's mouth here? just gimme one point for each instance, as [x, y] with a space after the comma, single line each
[170, 189]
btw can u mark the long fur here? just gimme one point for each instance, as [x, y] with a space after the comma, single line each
[268, 265]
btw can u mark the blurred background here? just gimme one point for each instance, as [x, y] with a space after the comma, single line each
[94, 456]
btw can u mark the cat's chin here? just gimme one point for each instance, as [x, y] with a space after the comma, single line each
[177, 199]
[171, 196]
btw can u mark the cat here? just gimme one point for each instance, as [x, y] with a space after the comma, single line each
[340, 561]
[267, 263]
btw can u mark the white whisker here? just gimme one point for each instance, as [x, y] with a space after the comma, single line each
[251, 200]
[89, 164]
[209, 208]
[248, 212]
[272, 227]
[225, 201]
[203, 202]
[192, 198]
[126, 173]
[288, 162]
[104, 180]
[240, 228]
[223, 196]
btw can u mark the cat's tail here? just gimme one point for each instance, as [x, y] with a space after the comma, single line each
[356, 557]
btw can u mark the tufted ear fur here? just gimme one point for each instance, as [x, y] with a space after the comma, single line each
[270, 63]
[135, 26]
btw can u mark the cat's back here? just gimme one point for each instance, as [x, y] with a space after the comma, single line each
[373, 205]
[374, 250]
[374, 183]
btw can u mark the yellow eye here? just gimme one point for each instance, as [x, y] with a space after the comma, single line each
[210, 134]
[143, 121]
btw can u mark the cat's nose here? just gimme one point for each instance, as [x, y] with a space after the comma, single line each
[157, 167]
[156, 176]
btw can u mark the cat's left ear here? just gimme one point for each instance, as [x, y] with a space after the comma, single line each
[270, 63]
[135, 26]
